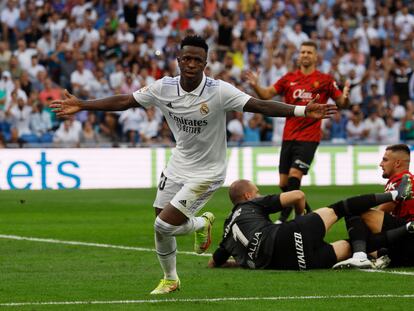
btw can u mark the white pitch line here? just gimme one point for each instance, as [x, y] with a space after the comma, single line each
[77, 243]
[142, 249]
[390, 271]
[190, 300]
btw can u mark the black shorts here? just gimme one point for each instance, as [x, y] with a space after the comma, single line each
[297, 154]
[300, 245]
[401, 253]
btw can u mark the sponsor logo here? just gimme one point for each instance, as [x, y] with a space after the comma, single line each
[191, 126]
[183, 202]
[254, 245]
[204, 108]
[169, 105]
[300, 254]
[302, 94]
[293, 83]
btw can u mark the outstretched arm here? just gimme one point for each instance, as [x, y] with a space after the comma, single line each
[279, 109]
[266, 92]
[71, 104]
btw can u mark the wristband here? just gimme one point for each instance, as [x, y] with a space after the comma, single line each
[299, 111]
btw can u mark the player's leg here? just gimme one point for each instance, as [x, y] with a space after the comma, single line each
[301, 154]
[359, 204]
[285, 162]
[165, 244]
[177, 218]
[358, 235]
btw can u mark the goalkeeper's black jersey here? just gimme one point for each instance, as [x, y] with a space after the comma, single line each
[249, 234]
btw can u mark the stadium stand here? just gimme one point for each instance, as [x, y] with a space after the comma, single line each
[100, 48]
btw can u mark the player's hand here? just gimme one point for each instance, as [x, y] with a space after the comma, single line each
[67, 106]
[319, 111]
[252, 78]
[346, 89]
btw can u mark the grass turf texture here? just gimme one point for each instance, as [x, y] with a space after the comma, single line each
[43, 272]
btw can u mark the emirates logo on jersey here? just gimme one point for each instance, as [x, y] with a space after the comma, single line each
[302, 94]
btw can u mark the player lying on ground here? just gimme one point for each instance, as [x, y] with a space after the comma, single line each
[255, 242]
[387, 217]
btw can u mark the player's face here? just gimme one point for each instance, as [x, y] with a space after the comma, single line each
[307, 56]
[192, 62]
[388, 164]
[254, 191]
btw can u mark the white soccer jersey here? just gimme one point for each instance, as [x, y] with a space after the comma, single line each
[198, 122]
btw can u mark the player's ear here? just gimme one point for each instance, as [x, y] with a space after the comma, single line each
[248, 196]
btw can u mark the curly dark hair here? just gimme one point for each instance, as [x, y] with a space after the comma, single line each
[195, 41]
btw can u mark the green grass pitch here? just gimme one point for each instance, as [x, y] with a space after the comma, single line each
[86, 277]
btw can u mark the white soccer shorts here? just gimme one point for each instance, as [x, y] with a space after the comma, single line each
[188, 198]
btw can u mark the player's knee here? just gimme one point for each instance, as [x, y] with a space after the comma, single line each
[162, 227]
[298, 194]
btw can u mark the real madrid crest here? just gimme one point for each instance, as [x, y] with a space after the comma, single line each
[316, 84]
[204, 108]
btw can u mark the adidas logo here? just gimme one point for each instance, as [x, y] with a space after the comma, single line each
[169, 105]
[183, 202]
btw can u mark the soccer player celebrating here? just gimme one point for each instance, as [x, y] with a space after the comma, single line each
[195, 108]
[301, 135]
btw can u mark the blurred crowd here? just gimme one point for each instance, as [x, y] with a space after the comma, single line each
[101, 48]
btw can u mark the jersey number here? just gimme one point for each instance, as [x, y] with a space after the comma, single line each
[239, 236]
[163, 180]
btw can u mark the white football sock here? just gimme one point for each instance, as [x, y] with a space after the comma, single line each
[166, 247]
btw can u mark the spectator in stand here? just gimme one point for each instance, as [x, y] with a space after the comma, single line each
[68, 134]
[407, 124]
[116, 79]
[80, 80]
[150, 127]
[336, 127]
[355, 128]
[401, 75]
[50, 93]
[9, 17]
[41, 124]
[374, 127]
[252, 129]
[132, 121]
[235, 128]
[5, 55]
[391, 132]
[88, 135]
[19, 114]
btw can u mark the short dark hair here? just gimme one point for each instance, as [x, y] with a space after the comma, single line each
[310, 43]
[399, 147]
[195, 41]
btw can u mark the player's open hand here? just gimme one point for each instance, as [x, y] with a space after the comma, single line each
[67, 106]
[251, 77]
[319, 111]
